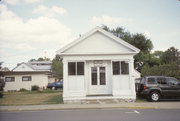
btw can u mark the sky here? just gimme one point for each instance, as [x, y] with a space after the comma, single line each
[30, 29]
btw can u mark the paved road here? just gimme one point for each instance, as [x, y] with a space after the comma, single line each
[94, 115]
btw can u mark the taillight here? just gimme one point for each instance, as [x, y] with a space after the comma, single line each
[145, 87]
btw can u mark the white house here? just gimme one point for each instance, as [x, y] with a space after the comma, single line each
[98, 65]
[25, 75]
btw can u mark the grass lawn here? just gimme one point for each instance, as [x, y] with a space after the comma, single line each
[32, 98]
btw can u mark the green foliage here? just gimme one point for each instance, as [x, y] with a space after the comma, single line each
[172, 70]
[158, 63]
[57, 66]
[172, 55]
[138, 40]
[23, 90]
[34, 88]
[40, 59]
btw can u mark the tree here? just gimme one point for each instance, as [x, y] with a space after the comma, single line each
[57, 66]
[172, 70]
[40, 59]
[138, 40]
[172, 55]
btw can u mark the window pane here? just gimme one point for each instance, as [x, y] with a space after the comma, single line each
[94, 75]
[116, 68]
[151, 81]
[124, 68]
[80, 68]
[161, 81]
[10, 79]
[26, 78]
[102, 76]
[71, 68]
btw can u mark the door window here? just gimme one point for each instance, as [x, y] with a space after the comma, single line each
[102, 76]
[162, 81]
[151, 81]
[94, 75]
[98, 76]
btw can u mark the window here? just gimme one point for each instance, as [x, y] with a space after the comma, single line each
[71, 68]
[116, 68]
[26, 78]
[80, 68]
[76, 68]
[151, 81]
[120, 67]
[161, 80]
[94, 75]
[173, 81]
[124, 67]
[10, 79]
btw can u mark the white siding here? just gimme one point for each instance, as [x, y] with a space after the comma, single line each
[40, 80]
[98, 43]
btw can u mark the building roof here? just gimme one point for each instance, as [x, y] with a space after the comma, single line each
[119, 41]
[34, 66]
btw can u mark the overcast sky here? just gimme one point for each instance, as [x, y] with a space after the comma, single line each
[37, 28]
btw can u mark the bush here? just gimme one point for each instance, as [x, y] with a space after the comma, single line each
[23, 90]
[35, 88]
[172, 70]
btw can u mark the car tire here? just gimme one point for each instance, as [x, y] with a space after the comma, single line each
[154, 96]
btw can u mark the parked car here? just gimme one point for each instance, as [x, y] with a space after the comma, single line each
[156, 87]
[55, 85]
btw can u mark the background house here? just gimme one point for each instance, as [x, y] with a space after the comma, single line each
[98, 65]
[25, 75]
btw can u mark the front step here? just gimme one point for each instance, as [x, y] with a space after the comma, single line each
[99, 101]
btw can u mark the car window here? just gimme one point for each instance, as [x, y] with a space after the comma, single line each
[151, 80]
[162, 81]
[173, 81]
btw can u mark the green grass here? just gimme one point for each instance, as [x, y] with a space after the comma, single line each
[32, 98]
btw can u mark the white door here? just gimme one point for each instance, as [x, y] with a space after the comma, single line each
[99, 81]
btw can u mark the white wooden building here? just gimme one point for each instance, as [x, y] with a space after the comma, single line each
[25, 75]
[98, 65]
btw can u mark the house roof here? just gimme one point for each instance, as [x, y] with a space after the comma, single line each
[36, 65]
[91, 32]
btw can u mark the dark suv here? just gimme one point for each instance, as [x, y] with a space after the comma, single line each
[155, 87]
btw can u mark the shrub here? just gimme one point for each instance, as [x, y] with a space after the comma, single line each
[35, 88]
[23, 90]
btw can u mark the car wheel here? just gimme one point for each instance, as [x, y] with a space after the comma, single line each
[154, 96]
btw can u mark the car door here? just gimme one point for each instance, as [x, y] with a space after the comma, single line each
[174, 85]
[164, 86]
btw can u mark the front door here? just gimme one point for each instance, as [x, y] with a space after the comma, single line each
[99, 81]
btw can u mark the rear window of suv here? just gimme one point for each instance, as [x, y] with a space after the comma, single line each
[151, 80]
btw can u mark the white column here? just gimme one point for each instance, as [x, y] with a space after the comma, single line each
[132, 82]
[65, 78]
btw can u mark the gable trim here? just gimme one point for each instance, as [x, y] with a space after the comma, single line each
[96, 29]
[21, 64]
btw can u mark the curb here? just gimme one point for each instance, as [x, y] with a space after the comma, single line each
[76, 108]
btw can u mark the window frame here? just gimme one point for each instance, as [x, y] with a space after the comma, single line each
[29, 78]
[11, 78]
[76, 68]
[120, 67]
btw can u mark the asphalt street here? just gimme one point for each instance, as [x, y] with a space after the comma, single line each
[94, 115]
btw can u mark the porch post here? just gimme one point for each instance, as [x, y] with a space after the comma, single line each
[65, 78]
[132, 82]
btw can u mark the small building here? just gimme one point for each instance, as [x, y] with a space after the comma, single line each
[25, 75]
[98, 65]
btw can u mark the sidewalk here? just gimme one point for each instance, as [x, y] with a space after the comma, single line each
[135, 105]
